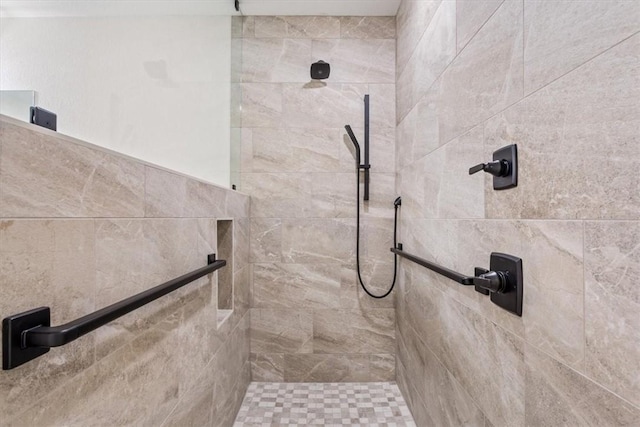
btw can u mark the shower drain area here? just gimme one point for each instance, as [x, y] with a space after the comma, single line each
[324, 404]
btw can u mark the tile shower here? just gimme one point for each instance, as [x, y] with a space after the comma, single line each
[450, 82]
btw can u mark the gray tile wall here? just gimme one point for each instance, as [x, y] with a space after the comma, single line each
[562, 80]
[82, 228]
[310, 321]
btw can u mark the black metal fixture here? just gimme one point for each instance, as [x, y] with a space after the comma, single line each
[41, 117]
[236, 4]
[504, 168]
[29, 335]
[366, 166]
[503, 281]
[320, 70]
[396, 204]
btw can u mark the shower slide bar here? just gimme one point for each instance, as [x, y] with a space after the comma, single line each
[503, 282]
[28, 335]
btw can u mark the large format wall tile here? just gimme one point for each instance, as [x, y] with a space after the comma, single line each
[306, 27]
[42, 175]
[560, 36]
[446, 402]
[432, 55]
[412, 20]
[485, 77]
[612, 306]
[350, 331]
[368, 27]
[281, 331]
[565, 168]
[556, 395]
[327, 367]
[276, 60]
[296, 150]
[296, 286]
[318, 240]
[325, 107]
[112, 252]
[298, 165]
[261, 104]
[471, 16]
[358, 61]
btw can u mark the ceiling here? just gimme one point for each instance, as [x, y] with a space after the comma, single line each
[60, 8]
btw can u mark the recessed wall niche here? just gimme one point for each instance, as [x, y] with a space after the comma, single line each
[225, 275]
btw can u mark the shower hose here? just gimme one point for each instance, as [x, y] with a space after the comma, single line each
[396, 204]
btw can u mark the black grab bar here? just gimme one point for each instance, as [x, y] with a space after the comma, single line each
[453, 275]
[28, 335]
[504, 281]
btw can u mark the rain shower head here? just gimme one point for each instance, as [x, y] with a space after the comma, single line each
[355, 143]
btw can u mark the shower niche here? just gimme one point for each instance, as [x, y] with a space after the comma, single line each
[224, 230]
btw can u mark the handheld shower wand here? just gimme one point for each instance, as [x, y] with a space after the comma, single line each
[396, 204]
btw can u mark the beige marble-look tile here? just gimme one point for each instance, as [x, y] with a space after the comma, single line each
[296, 150]
[382, 367]
[560, 36]
[241, 243]
[445, 401]
[367, 27]
[433, 53]
[318, 240]
[382, 102]
[266, 240]
[267, 367]
[417, 134]
[326, 367]
[204, 200]
[281, 331]
[334, 195]
[296, 286]
[334, 105]
[48, 263]
[552, 254]
[139, 381]
[565, 168]
[238, 205]
[412, 21]
[119, 275]
[495, 367]
[612, 304]
[278, 195]
[42, 175]
[316, 27]
[276, 60]
[558, 395]
[449, 191]
[358, 61]
[471, 16]
[464, 97]
[165, 193]
[353, 331]
[262, 105]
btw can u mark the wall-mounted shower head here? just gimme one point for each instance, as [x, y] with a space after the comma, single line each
[320, 70]
[355, 143]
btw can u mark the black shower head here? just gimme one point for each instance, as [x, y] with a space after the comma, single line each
[320, 70]
[355, 143]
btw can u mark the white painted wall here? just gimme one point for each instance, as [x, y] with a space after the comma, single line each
[156, 88]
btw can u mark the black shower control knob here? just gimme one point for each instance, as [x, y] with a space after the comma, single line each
[494, 281]
[495, 168]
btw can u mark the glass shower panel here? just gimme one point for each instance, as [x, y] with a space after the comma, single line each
[17, 103]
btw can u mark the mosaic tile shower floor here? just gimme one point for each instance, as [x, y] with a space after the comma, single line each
[324, 404]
